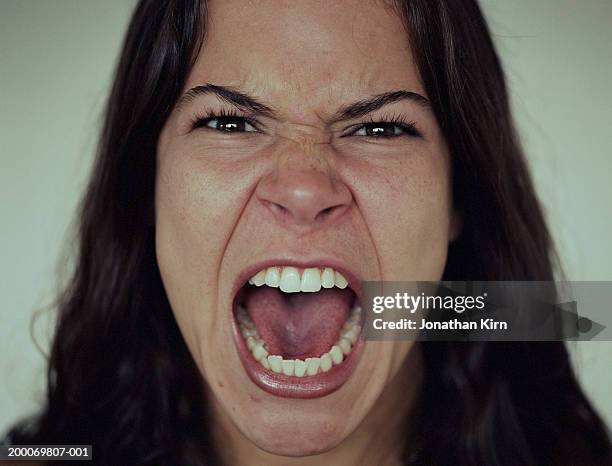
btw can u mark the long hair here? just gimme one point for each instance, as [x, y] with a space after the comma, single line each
[120, 376]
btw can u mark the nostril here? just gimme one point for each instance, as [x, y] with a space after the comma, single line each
[330, 211]
[326, 211]
[277, 208]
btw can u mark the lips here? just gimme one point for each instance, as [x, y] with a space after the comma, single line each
[298, 329]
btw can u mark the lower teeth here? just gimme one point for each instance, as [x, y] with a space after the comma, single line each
[298, 367]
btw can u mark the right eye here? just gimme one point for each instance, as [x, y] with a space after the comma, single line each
[227, 124]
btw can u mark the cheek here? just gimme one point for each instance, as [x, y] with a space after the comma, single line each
[184, 209]
[407, 205]
[196, 204]
[198, 201]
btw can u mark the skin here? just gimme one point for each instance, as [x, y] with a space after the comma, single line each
[297, 189]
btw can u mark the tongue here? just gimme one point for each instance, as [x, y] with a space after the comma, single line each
[298, 325]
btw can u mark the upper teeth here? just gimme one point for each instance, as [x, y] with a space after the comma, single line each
[290, 281]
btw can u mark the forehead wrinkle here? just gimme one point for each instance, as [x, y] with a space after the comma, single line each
[299, 99]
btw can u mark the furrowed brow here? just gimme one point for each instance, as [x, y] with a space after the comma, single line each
[363, 107]
[238, 99]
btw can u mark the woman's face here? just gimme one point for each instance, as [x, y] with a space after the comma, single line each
[306, 155]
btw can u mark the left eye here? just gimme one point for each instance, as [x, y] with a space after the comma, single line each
[227, 124]
[382, 130]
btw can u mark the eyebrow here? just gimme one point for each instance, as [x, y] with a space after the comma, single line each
[251, 104]
[363, 107]
[238, 99]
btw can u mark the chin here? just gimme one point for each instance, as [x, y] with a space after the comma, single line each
[298, 437]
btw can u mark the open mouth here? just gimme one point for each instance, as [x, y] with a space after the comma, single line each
[298, 330]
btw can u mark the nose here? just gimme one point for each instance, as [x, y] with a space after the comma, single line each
[305, 196]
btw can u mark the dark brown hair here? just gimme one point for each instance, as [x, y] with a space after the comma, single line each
[120, 376]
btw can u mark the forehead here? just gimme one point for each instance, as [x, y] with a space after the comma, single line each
[306, 50]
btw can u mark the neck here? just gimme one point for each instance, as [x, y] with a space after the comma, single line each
[381, 438]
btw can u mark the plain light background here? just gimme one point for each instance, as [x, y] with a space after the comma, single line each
[56, 60]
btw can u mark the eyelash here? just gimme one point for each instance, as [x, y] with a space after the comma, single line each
[407, 128]
[201, 120]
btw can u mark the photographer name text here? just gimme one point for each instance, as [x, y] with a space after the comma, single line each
[453, 324]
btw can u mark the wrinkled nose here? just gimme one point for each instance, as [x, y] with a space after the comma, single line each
[305, 196]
